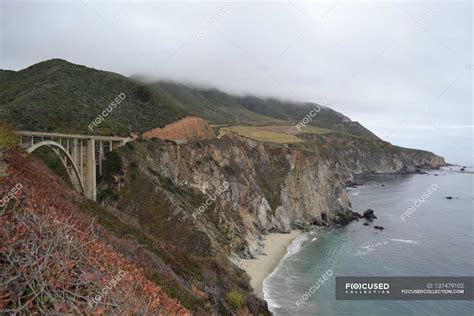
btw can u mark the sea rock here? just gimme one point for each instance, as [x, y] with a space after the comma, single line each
[379, 227]
[298, 224]
[315, 221]
[366, 224]
[419, 171]
[369, 214]
[449, 197]
[352, 184]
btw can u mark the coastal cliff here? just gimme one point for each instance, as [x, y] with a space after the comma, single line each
[219, 198]
[267, 188]
[355, 155]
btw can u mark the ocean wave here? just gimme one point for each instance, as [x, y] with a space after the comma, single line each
[272, 303]
[295, 245]
[292, 249]
[369, 248]
[407, 241]
[314, 239]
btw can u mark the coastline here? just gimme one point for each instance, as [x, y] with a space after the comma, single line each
[275, 250]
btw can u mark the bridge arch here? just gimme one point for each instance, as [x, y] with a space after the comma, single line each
[75, 175]
[82, 155]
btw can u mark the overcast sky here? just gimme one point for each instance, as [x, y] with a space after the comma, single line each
[402, 69]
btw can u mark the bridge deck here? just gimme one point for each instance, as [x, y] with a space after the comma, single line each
[77, 136]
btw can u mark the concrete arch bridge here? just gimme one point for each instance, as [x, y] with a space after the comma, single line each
[81, 155]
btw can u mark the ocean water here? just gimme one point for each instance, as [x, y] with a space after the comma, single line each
[437, 239]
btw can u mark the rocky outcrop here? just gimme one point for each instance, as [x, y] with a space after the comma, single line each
[354, 155]
[269, 190]
[369, 215]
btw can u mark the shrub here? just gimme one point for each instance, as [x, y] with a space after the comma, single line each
[229, 170]
[112, 164]
[235, 299]
[8, 137]
[143, 94]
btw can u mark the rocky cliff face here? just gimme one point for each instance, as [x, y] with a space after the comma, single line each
[216, 198]
[226, 193]
[353, 155]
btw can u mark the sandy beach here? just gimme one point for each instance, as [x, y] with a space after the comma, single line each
[261, 267]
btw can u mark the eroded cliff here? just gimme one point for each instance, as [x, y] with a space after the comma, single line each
[217, 198]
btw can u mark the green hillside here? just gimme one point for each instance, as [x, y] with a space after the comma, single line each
[59, 96]
[214, 105]
[296, 111]
[221, 108]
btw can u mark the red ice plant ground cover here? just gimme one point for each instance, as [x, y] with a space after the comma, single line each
[51, 259]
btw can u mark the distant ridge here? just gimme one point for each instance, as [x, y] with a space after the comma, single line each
[221, 108]
[56, 95]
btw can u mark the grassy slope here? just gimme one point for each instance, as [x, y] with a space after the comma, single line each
[296, 111]
[215, 106]
[222, 108]
[59, 96]
[282, 134]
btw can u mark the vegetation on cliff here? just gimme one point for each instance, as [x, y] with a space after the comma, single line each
[54, 259]
[159, 275]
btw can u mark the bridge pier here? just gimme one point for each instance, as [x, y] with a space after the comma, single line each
[90, 174]
[78, 155]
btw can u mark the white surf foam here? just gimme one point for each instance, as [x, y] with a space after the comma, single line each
[369, 248]
[292, 249]
[295, 245]
[407, 241]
